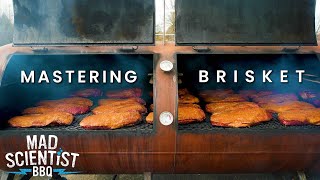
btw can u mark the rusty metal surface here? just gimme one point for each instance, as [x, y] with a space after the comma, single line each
[264, 22]
[59, 22]
[167, 51]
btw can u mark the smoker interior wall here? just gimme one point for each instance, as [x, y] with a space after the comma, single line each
[190, 65]
[16, 96]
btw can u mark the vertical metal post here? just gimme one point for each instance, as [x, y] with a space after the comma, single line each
[302, 175]
[164, 22]
[147, 176]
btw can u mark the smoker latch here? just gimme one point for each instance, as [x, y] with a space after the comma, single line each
[201, 49]
[40, 49]
[128, 49]
[166, 66]
[166, 118]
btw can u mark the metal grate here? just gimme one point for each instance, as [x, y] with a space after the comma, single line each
[274, 124]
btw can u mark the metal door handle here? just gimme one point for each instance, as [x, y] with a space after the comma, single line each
[166, 118]
[166, 66]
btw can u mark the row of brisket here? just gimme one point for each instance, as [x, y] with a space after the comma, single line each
[122, 108]
[249, 108]
[126, 108]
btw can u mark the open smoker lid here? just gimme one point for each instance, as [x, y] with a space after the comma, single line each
[83, 22]
[245, 22]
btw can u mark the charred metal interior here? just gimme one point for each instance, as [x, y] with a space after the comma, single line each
[112, 71]
[190, 64]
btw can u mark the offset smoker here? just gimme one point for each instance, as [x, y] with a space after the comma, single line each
[196, 148]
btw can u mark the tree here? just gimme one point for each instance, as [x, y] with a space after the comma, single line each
[6, 30]
[170, 20]
[171, 29]
[159, 32]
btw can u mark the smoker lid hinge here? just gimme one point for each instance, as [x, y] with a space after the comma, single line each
[291, 49]
[128, 49]
[39, 49]
[201, 49]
